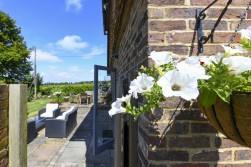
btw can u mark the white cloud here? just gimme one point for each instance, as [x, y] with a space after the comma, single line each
[53, 67]
[96, 51]
[42, 56]
[73, 4]
[72, 42]
[74, 69]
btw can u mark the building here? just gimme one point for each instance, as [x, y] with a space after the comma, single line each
[178, 135]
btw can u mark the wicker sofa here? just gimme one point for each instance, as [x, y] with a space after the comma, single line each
[31, 130]
[61, 126]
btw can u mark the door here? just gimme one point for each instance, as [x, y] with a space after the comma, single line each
[104, 95]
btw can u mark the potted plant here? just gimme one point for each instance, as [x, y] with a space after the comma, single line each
[216, 81]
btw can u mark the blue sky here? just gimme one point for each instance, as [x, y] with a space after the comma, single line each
[68, 36]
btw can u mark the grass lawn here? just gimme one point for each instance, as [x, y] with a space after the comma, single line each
[35, 105]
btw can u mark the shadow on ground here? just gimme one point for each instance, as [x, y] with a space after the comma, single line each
[83, 137]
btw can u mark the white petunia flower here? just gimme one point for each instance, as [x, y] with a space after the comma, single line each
[192, 67]
[238, 64]
[116, 108]
[175, 83]
[141, 84]
[232, 51]
[246, 33]
[161, 58]
[207, 60]
[126, 98]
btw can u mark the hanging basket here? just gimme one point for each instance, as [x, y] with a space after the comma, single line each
[234, 119]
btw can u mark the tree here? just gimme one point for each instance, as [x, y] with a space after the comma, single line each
[14, 65]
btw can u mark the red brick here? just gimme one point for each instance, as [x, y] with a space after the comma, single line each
[155, 13]
[240, 3]
[191, 165]
[224, 37]
[156, 37]
[189, 142]
[165, 128]
[153, 141]
[177, 49]
[244, 25]
[163, 26]
[219, 3]
[225, 143]
[243, 155]
[249, 15]
[202, 128]
[209, 25]
[190, 115]
[166, 2]
[230, 13]
[209, 50]
[207, 155]
[163, 155]
[180, 13]
[181, 37]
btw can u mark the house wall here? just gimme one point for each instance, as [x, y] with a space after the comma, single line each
[128, 39]
[4, 123]
[178, 135]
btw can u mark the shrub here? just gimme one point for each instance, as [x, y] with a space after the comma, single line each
[66, 89]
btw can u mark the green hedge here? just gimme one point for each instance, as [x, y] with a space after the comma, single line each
[66, 89]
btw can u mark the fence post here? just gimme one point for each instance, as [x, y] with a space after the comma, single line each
[18, 125]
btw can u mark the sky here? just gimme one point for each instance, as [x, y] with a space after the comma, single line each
[68, 36]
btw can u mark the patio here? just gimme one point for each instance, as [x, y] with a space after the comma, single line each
[75, 150]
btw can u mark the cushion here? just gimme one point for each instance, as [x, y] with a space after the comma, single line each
[46, 114]
[60, 117]
[66, 112]
[50, 107]
[49, 110]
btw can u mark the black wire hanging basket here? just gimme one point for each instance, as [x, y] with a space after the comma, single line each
[231, 119]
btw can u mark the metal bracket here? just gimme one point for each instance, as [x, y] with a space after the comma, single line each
[199, 29]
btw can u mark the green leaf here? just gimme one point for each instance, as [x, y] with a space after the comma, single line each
[208, 98]
[224, 94]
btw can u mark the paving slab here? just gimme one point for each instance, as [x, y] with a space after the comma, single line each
[73, 155]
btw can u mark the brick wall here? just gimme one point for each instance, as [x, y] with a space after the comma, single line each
[179, 135]
[4, 105]
[132, 50]
[128, 39]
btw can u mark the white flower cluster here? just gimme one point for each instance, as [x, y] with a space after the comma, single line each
[236, 64]
[182, 81]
